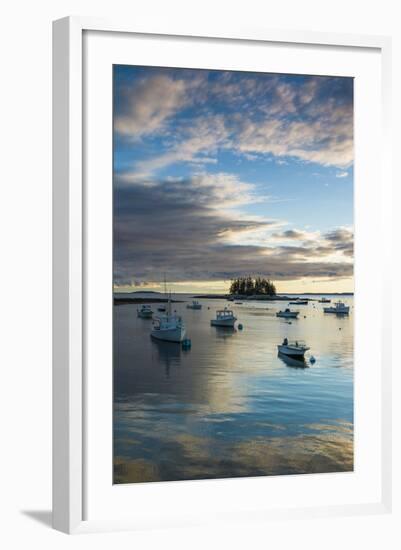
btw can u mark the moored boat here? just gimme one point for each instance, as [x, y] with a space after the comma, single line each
[339, 307]
[224, 318]
[299, 302]
[324, 300]
[287, 314]
[145, 312]
[295, 349]
[169, 327]
[195, 305]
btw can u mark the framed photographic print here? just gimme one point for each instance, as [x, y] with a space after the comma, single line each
[219, 350]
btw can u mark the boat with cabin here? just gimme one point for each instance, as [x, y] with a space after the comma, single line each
[195, 305]
[339, 308]
[294, 349]
[224, 318]
[145, 312]
[287, 314]
[324, 300]
[169, 327]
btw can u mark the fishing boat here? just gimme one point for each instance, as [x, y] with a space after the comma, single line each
[324, 300]
[295, 349]
[224, 318]
[169, 327]
[339, 307]
[287, 314]
[195, 305]
[145, 312]
[162, 308]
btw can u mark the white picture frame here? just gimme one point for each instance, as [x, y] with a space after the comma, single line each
[70, 249]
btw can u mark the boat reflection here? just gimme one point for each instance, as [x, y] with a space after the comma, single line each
[168, 354]
[222, 333]
[291, 362]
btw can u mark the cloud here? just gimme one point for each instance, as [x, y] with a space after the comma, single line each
[188, 230]
[341, 240]
[145, 106]
[203, 136]
[326, 141]
[342, 174]
[204, 112]
[290, 234]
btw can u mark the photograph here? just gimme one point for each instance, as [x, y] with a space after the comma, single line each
[233, 277]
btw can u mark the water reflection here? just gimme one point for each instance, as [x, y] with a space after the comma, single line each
[224, 332]
[228, 406]
[291, 362]
[168, 354]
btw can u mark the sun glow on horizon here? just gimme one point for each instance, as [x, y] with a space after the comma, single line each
[298, 286]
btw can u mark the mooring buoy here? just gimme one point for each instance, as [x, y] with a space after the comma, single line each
[186, 344]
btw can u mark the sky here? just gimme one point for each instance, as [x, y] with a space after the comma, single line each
[220, 174]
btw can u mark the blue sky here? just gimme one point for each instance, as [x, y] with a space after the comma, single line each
[219, 174]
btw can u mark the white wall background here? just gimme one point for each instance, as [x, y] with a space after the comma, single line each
[25, 218]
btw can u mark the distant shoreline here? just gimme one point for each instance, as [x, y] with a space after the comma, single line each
[135, 300]
[130, 299]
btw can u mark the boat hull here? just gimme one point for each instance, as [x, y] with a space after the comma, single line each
[338, 311]
[295, 362]
[293, 315]
[292, 351]
[169, 334]
[194, 307]
[223, 322]
[145, 315]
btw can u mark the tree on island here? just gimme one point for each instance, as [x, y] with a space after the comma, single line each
[249, 286]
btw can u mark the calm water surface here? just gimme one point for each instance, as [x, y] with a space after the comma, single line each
[230, 406]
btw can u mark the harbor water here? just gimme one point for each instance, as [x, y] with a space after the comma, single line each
[229, 406]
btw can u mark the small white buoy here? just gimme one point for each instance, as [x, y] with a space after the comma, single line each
[240, 327]
[312, 360]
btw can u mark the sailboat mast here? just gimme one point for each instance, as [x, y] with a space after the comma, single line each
[169, 304]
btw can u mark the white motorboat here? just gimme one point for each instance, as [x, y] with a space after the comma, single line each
[195, 305]
[287, 314]
[224, 318]
[145, 312]
[339, 308]
[169, 327]
[295, 349]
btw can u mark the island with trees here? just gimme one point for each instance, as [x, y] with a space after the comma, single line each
[252, 286]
